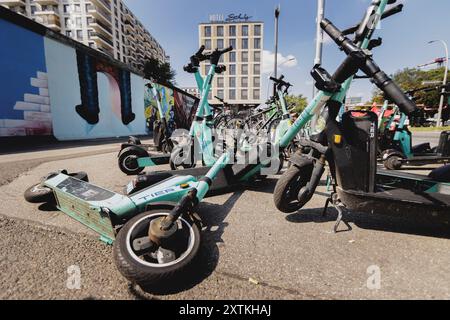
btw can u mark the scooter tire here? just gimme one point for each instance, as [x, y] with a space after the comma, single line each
[393, 163]
[128, 160]
[142, 272]
[285, 194]
[42, 194]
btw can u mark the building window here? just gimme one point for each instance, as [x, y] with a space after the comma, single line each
[69, 33]
[232, 82]
[257, 30]
[257, 43]
[207, 67]
[244, 69]
[232, 94]
[232, 71]
[244, 56]
[256, 94]
[78, 22]
[244, 82]
[67, 22]
[207, 31]
[89, 20]
[219, 32]
[232, 57]
[244, 94]
[232, 43]
[220, 43]
[245, 31]
[208, 44]
[256, 81]
[220, 93]
[232, 31]
[220, 82]
[76, 8]
[256, 69]
[244, 44]
[80, 35]
[66, 8]
[257, 56]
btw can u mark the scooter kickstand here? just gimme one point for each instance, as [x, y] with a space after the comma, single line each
[340, 218]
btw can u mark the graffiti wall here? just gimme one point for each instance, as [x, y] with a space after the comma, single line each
[51, 86]
[24, 94]
[177, 107]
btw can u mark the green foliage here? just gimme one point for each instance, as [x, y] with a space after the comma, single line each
[158, 71]
[411, 79]
[296, 103]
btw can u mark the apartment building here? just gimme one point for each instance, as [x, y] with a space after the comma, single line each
[240, 84]
[106, 25]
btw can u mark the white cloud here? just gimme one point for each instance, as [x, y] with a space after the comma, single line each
[284, 62]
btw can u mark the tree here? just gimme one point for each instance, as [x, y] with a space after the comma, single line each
[158, 71]
[296, 102]
[411, 79]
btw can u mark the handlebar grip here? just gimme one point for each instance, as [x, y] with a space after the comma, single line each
[200, 51]
[391, 90]
[230, 48]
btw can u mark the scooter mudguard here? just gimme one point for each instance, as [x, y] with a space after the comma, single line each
[301, 160]
[391, 152]
[89, 204]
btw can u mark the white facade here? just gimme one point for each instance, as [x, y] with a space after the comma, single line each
[106, 25]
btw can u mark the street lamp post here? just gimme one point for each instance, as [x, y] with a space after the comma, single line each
[441, 103]
[275, 71]
[319, 36]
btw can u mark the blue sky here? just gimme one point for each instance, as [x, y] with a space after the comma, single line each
[174, 23]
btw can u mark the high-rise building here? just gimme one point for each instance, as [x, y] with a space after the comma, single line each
[240, 84]
[105, 25]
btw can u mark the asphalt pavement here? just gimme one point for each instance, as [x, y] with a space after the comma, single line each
[249, 249]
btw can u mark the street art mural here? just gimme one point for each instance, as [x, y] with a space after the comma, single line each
[119, 89]
[24, 94]
[96, 98]
[50, 86]
[177, 106]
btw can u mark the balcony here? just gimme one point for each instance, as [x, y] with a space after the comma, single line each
[100, 14]
[98, 26]
[48, 11]
[105, 4]
[50, 21]
[12, 3]
[101, 40]
[47, 2]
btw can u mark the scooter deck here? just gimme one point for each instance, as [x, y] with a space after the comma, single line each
[84, 202]
[400, 193]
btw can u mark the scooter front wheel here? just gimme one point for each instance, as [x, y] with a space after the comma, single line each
[289, 185]
[142, 262]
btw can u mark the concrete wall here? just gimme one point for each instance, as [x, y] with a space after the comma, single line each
[51, 85]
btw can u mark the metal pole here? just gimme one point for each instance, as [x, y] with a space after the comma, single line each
[275, 71]
[319, 36]
[442, 100]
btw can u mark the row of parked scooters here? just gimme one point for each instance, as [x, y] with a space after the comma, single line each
[154, 225]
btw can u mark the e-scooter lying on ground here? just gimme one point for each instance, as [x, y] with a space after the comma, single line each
[350, 149]
[134, 151]
[332, 92]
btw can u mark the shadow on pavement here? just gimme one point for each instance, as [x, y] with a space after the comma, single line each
[373, 222]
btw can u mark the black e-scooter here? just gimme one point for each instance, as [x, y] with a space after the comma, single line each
[350, 148]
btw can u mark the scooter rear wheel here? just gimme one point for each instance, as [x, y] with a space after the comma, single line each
[393, 163]
[289, 185]
[128, 163]
[152, 266]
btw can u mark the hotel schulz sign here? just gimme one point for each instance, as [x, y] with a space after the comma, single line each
[232, 17]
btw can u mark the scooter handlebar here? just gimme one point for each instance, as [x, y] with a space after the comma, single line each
[358, 59]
